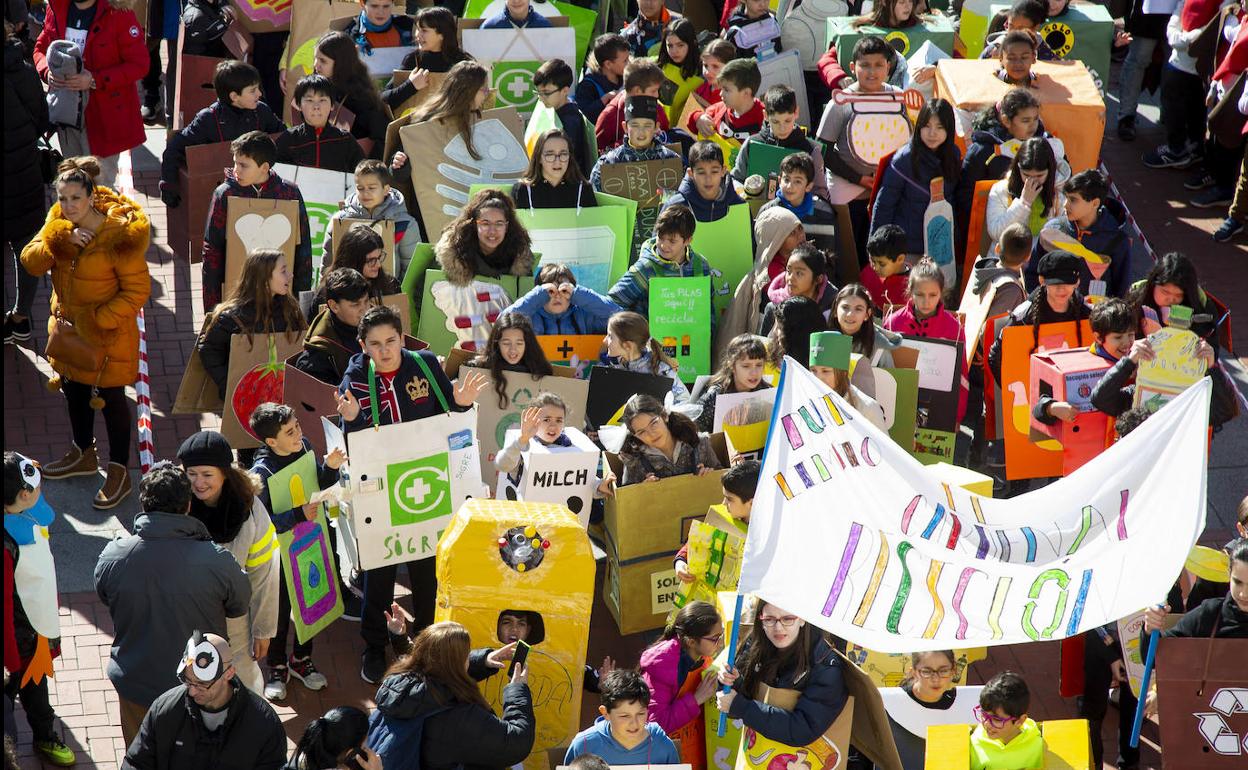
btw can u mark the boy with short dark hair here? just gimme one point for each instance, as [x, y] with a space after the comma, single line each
[621, 735]
[601, 80]
[375, 200]
[642, 77]
[889, 274]
[1006, 738]
[236, 111]
[740, 24]
[705, 188]
[330, 340]
[284, 444]
[251, 177]
[553, 83]
[1024, 14]
[316, 142]
[780, 129]
[738, 115]
[1097, 222]
[645, 32]
[739, 483]
[666, 254]
[871, 59]
[1005, 271]
[796, 192]
[1113, 338]
[556, 305]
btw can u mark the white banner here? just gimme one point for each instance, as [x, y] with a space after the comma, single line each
[851, 533]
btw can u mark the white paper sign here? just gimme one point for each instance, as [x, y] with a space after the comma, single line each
[856, 536]
[938, 364]
[561, 475]
[407, 480]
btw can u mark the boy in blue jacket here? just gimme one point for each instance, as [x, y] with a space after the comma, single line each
[236, 111]
[284, 444]
[1098, 223]
[622, 735]
[556, 305]
[704, 189]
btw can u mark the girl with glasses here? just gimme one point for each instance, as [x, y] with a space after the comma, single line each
[362, 248]
[662, 444]
[554, 179]
[793, 659]
[674, 668]
[485, 239]
[926, 697]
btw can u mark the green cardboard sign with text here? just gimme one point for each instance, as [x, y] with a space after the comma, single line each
[680, 320]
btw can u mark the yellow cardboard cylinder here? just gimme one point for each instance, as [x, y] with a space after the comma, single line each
[476, 583]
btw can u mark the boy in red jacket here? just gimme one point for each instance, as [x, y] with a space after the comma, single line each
[739, 115]
[889, 273]
[642, 77]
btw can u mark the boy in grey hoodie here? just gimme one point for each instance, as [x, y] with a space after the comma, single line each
[375, 200]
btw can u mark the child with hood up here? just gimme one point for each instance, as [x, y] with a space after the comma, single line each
[777, 231]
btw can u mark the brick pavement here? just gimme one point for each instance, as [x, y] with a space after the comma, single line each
[35, 423]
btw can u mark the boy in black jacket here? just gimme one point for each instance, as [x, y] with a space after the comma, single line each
[331, 338]
[410, 385]
[315, 142]
[553, 81]
[284, 444]
[236, 111]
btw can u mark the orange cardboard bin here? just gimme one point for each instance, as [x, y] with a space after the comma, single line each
[1070, 103]
[1070, 375]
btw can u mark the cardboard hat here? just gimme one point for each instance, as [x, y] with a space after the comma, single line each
[830, 349]
[641, 107]
[207, 655]
[1060, 267]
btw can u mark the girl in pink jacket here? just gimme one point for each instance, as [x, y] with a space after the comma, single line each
[924, 315]
[674, 668]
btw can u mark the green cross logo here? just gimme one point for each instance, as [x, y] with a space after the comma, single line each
[514, 85]
[420, 490]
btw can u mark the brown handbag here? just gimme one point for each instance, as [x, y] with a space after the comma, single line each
[68, 347]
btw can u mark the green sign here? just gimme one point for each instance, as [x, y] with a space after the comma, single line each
[1084, 33]
[581, 20]
[311, 577]
[936, 28]
[680, 320]
[294, 485]
[905, 405]
[512, 82]
[727, 245]
[591, 241]
[419, 490]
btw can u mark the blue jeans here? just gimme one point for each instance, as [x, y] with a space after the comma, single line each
[1131, 79]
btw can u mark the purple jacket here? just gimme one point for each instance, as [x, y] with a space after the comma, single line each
[660, 667]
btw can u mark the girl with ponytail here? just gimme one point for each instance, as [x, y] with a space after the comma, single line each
[673, 667]
[334, 741]
[629, 342]
[661, 444]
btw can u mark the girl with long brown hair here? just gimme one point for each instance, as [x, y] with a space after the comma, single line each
[662, 443]
[338, 58]
[740, 371]
[437, 50]
[485, 239]
[261, 303]
[458, 100]
[689, 644]
[630, 344]
[553, 179]
[512, 347]
[436, 682]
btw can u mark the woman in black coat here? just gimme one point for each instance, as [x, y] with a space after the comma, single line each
[25, 120]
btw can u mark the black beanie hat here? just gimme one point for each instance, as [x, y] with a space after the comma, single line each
[206, 448]
[641, 107]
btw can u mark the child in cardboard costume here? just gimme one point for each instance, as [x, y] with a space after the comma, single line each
[498, 561]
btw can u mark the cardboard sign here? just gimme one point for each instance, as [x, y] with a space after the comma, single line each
[1202, 703]
[294, 485]
[323, 192]
[940, 373]
[1025, 459]
[382, 62]
[420, 97]
[897, 392]
[802, 29]
[264, 15]
[727, 244]
[205, 169]
[1070, 376]
[311, 577]
[715, 555]
[313, 19]
[680, 319]
[383, 227]
[578, 351]
[1083, 32]
[1070, 102]
[257, 374]
[610, 388]
[1172, 371]
[453, 315]
[451, 169]
[193, 90]
[522, 391]
[764, 159]
[257, 223]
[785, 68]
[744, 419]
[581, 20]
[478, 579]
[640, 595]
[197, 393]
[830, 751]
[591, 241]
[554, 474]
[842, 33]
[645, 181]
[513, 56]
[407, 479]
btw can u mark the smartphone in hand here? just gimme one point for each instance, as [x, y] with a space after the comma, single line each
[521, 657]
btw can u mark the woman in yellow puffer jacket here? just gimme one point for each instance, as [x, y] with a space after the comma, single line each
[94, 241]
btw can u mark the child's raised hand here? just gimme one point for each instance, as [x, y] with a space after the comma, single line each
[309, 511]
[348, 406]
[923, 74]
[335, 459]
[529, 423]
[396, 620]
[468, 387]
[608, 665]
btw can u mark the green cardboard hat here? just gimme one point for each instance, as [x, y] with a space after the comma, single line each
[830, 349]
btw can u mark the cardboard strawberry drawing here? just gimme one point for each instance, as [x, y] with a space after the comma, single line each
[257, 374]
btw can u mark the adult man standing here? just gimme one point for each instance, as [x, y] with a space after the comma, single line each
[210, 720]
[159, 584]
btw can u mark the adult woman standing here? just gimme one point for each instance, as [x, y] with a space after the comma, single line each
[436, 681]
[25, 120]
[674, 669]
[114, 58]
[94, 243]
[226, 499]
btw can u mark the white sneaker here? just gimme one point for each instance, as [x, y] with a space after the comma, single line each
[275, 687]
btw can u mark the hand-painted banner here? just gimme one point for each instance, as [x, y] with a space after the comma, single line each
[854, 535]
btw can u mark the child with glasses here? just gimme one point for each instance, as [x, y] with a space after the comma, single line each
[784, 652]
[676, 670]
[553, 180]
[1006, 738]
[376, 199]
[553, 83]
[662, 444]
[926, 697]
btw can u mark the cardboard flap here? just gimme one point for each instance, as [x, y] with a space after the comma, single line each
[257, 374]
[871, 732]
[197, 393]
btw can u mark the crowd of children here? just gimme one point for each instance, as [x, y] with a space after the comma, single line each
[840, 263]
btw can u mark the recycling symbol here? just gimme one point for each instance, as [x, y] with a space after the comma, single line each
[1213, 727]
